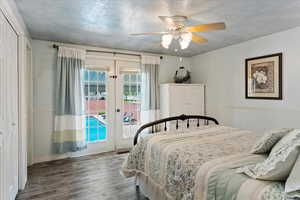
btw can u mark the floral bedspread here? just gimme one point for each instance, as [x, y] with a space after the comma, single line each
[172, 162]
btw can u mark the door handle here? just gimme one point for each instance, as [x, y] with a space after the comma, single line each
[13, 124]
[118, 110]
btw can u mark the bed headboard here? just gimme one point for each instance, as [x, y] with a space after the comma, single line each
[176, 118]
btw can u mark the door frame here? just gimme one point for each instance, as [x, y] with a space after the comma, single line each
[28, 73]
[24, 45]
[115, 117]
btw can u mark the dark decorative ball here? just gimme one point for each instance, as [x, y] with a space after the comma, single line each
[182, 76]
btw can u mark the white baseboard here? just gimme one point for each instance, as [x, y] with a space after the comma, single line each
[50, 158]
[62, 156]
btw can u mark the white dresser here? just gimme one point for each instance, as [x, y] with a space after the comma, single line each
[177, 99]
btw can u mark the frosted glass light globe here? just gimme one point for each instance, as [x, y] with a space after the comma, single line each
[185, 39]
[166, 40]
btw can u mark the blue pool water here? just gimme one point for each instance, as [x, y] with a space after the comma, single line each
[96, 130]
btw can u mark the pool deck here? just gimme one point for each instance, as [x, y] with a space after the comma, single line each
[128, 130]
[99, 117]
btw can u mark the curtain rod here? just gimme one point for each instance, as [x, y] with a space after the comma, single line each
[56, 47]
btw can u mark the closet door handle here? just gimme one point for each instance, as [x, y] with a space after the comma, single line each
[118, 110]
[13, 124]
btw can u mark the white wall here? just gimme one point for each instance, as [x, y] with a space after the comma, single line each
[223, 72]
[44, 61]
[169, 64]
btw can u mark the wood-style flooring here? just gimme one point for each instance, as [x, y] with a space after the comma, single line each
[95, 177]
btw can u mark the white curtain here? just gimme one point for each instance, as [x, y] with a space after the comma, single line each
[150, 102]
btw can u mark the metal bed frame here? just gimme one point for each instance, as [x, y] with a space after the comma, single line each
[176, 118]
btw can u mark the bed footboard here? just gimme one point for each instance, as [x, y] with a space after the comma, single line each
[169, 119]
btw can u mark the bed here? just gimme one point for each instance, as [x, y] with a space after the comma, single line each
[198, 164]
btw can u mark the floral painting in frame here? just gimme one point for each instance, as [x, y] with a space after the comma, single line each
[264, 77]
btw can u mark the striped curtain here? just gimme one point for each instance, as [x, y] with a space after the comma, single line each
[69, 130]
[150, 102]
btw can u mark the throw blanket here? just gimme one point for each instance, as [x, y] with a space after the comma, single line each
[219, 180]
[200, 164]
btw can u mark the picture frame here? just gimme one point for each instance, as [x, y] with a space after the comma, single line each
[263, 77]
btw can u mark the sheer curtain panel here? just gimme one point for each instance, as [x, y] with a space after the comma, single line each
[150, 102]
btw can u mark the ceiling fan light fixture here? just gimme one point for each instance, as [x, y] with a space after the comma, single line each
[183, 44]
[166, 40]
[185, 40]
[187, 36]
[177, 30]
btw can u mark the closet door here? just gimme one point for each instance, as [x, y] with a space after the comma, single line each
[9, 109]
[13, 101]
[3, 108]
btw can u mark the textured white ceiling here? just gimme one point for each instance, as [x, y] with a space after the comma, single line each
[107, 23]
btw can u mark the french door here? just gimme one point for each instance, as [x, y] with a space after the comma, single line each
[112, 92]
[128, 105]
[99, 111]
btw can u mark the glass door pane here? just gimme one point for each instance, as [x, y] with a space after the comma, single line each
[131, 104]
[95, 92]
[128, 108]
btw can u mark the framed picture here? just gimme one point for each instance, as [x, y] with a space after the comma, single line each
[264, 77]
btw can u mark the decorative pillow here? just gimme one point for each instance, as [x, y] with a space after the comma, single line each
[292, 185]
[280, 162]
[270, 138]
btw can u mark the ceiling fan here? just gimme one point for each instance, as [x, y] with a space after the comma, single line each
[178, 31]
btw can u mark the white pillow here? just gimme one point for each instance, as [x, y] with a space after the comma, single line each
[292, 185]
[270, 138]
[280, 162]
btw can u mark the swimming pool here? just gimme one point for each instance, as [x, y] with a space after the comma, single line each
[95, 130]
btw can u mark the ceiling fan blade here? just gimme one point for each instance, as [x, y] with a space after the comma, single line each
[198, 38]
[149, 33]
[206, 27]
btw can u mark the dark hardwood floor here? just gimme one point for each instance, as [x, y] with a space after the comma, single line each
[95, 177]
